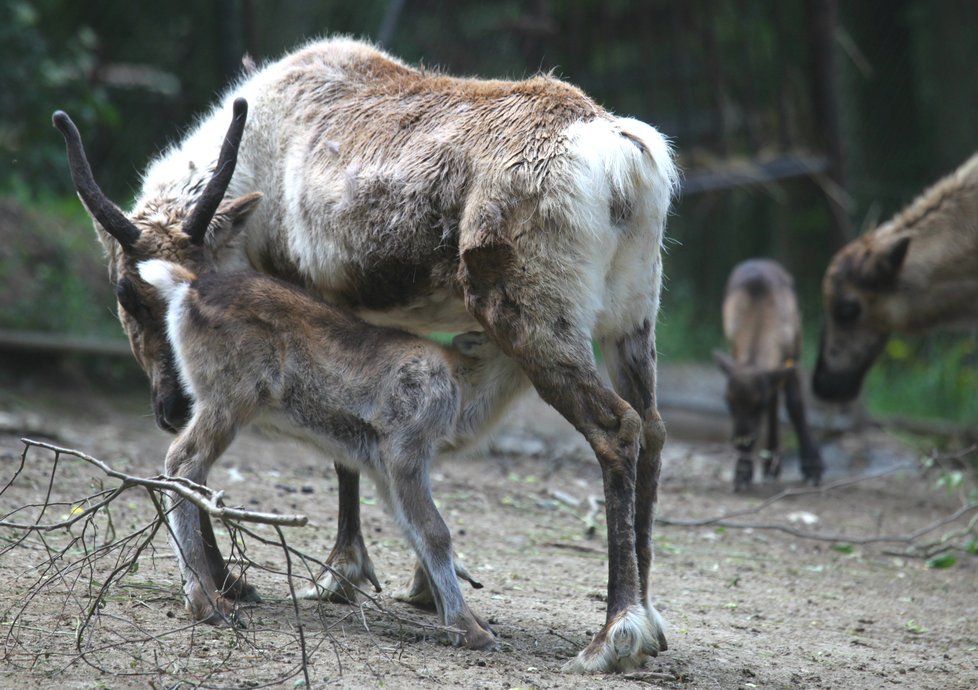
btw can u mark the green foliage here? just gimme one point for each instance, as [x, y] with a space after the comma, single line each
[684, 333]
[52, 272]
[935, 377]
[942, 562]
[44, 69]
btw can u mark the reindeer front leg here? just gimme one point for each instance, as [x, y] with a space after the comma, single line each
[230, 585]
[204, 574]
[771, 455]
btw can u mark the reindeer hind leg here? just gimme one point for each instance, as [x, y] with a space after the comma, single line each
[631, 362]
[409, 493]
[544, 330]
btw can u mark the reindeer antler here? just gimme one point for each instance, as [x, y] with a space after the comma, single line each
[102, 209]
[210, 199]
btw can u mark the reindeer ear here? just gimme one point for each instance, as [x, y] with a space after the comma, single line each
[230, 217]
[725, 362]
[883, 265]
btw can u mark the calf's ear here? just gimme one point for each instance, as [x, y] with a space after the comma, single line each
[230, 219]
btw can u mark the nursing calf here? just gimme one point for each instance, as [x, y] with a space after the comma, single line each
[252, 349]
[762, 324]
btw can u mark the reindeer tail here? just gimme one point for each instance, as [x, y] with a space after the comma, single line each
[165, 276]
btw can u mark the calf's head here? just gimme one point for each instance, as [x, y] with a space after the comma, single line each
[749, 394]
[860, 299]
[189, 233]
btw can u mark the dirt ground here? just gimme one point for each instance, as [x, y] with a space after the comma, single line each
[747, 608]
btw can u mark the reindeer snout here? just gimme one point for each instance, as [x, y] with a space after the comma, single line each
[172, 412]
[835, 386]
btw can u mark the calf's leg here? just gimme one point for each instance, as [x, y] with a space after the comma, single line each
[811, 458]
[408, 490]
[205, 576]
[230, 586]
[772, 452]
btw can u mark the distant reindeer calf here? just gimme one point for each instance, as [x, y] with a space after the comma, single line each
[762, 324]
[250, 348]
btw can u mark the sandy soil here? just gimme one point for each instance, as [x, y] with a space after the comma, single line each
[748, 608]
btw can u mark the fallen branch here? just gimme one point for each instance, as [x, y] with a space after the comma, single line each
[908, 539]
[89, 566]
[842, 538]
[202, 496]
[787, 493]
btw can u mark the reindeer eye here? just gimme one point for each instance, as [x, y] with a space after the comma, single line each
[846, 310]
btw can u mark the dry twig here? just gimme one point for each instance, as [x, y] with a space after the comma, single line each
[909, 539]
[91, 566]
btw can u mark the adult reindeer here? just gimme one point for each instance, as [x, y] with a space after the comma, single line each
[914, 273]
[435, 203]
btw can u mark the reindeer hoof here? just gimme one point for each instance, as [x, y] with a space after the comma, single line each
[236, 589]
[811, 471]
[624, 644]
[346, 573]
[772, 467]
[478, 635]
[743, 474]
[418, 592]
[813, 479]
[219, 612]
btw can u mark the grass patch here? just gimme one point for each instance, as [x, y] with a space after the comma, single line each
[53, 271]
[934, 377]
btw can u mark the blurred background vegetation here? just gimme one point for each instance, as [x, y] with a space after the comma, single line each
[798, 124]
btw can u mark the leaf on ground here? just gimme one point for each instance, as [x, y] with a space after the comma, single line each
[941, 562]
[914, 627]
[843, 548]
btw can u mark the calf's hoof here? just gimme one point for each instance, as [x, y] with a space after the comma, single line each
[419, 593]
[811, 471]
[743, 474]
[477, 633]
[772, 465]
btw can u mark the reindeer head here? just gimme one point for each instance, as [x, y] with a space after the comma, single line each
[859, 293]
[188, 234]
[749, 394]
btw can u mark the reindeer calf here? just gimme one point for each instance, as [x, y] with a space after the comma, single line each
[251, 348]
[762, 324]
